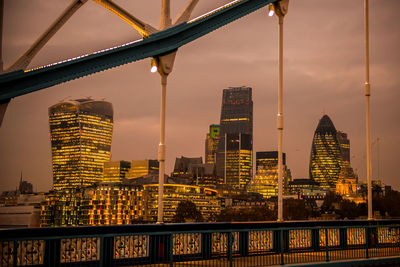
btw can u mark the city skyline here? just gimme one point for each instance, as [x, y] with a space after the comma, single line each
[329, 81]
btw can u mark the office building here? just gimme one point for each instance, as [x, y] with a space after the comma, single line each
[80, 134]
[115, 171]
[344, 144]
[142, 167]
[193, 171]
[265, 182]
[235, 147]
[115, 204]
[205, 200]
[212, 141]
[99, 204]
[326, 158]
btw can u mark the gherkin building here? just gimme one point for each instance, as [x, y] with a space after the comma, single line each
[326, 158]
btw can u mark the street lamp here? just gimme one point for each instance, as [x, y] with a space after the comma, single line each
[154, 66]
[367, 113]
[280, 9]
[163, 65]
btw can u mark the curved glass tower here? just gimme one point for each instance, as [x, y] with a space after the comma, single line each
[326, 158]
[80, 133]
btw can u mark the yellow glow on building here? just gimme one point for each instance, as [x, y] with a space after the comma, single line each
[204, 198]
[142, 167]
[80, 134]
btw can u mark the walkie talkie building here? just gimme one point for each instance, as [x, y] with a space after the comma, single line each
[80, 134]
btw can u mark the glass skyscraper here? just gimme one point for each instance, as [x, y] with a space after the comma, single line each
[80, 134]
[326, 158]
[235, 147]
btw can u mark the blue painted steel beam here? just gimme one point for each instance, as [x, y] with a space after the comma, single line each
[23, 82]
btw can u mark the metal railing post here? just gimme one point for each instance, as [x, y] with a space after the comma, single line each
[282, 247]
[229, 250]
[15, 253]
[170, 250]
[366, 241]
[102, 252]
[326, 244]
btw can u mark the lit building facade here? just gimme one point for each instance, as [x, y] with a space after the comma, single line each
[265, 182]
[326, 155]
[81, 134]
[235, 147]
[115, 171]
[115, 204]
[306, 189]
[347, 184]
[205, 199]
[100, 204]
[67, 207]
[142, 167]
[212, 141]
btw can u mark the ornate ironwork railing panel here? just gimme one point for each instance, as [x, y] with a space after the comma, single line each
[27, 252]
[333, 237]
[388, 235]
[131, 246]
[300, 238]
[219, 242]
[355, 236]
[261, 241]
[80, 249]
[186, 243]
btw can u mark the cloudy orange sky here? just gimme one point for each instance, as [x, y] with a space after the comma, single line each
[323, 74]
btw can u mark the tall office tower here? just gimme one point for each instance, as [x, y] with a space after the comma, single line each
[326, 156]
[344, 143]
[115, 171]
[142, 167]
[235, 148]
[265, 181]
[81, 134]
[212, 141]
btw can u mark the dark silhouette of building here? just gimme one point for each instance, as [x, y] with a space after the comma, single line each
[344, 143]
[80, 134]
[326, 158]
[194, 172]
[235, 148]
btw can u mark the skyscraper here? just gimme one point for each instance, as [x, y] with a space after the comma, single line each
[81, 134]
[212, 141]
[235, 148]
[326, 158]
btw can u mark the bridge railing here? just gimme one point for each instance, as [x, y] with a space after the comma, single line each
[219, 244]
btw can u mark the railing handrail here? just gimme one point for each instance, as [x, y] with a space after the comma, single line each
[113, 230]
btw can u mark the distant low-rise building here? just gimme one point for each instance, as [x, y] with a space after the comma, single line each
[115, 171]
[141, 168]
[100, 204]
[205, 199]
